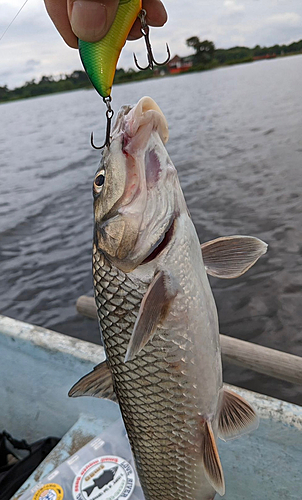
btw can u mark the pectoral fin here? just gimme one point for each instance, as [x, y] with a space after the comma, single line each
[97, 383]
[211, 460]
[153, 309]
[236, 417]
[231, 256]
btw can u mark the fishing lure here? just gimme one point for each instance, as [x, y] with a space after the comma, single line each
[100, 58]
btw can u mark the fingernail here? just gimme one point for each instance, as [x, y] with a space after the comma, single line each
[88, 20]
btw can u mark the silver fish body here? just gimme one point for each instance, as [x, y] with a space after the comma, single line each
[173, 384]
[158, 316]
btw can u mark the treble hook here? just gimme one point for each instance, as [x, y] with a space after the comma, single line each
[109, 115]
[145, 32]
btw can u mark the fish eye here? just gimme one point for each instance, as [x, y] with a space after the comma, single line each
[99, 181]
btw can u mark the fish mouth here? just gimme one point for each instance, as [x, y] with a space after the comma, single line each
[139, 122]
[161, 243]
[139, 226]
[131, 134]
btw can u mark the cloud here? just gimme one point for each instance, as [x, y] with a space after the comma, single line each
[232, 6]
[290, 19]
[5, 74]
[238, 40]
[32, 47]
[30, 66]
[32, 62]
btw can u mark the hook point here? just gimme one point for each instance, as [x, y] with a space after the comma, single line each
[93, 145]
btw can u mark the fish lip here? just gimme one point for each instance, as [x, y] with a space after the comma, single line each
[145, 112]
[162, 241]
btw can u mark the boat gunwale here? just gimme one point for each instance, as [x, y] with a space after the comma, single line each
[52, 343]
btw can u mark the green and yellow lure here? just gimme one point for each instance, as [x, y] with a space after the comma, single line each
[100, 58]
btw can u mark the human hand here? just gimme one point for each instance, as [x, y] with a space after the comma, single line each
[90, 20]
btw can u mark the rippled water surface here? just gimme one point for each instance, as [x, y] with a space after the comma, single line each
[236, 140]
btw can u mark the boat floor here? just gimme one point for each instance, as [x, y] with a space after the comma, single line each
[38, 367]
[265, 464]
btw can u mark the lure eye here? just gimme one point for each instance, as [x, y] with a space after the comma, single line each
[99, 181]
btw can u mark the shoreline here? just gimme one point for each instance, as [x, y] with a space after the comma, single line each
[139, 76]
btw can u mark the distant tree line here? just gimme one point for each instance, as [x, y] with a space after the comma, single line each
[205, 56]
[205, 52]
[46, 85]
[76, 80]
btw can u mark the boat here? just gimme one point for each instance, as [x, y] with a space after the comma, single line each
[38, 367]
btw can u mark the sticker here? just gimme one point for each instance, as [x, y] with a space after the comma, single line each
[104, 478]
[53, 475]
[50, 491]
[97, 443]
[73, 459]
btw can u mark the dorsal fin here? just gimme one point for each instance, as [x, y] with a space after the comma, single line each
[236, 417]
[97, 383]
[231, 256]
[211, 460]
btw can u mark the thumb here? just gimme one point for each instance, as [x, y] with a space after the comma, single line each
[91, 19]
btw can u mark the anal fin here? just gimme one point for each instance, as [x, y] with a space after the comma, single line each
[236, 417]
[97, 383]
[211, 460]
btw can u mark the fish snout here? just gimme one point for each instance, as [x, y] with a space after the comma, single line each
[141, 121]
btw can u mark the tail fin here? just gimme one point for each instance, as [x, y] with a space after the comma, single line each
[211, 460]
[89, 490]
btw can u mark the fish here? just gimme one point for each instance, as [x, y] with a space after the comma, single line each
[158, 316]
[100, 58]
[105, 478]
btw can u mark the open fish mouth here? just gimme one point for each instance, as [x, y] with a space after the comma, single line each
[137, 223]
[136, 124]
[139, 140]
[146, 112]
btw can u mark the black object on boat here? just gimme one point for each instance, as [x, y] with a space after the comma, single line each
[18, 460]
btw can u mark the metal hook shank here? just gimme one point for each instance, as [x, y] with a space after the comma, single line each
[109, 115]
[145, 32]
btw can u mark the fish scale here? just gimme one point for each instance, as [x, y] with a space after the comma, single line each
[164, 437]
[158, 315]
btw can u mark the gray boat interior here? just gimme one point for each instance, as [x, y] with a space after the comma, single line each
[38, 367]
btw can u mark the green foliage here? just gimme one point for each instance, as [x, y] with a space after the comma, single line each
[122, 76]
[204, 66]
[239, 61]
[205, 57]
[46, 85]
[204, 51]
[77, 80]
[233, 54]
[245, 54]
[4, 93]
[193, 42]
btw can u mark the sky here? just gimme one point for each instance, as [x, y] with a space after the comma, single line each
[32, 47]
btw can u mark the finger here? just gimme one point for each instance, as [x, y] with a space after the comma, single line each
[156, 16]
[135, 32]
[57, 10]
[156, 12]
[91, 19]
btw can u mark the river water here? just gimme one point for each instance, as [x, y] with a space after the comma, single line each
[236, 140]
